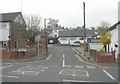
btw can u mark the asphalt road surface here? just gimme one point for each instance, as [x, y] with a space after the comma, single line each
[62, 65]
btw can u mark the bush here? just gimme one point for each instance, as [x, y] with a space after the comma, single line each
[101, 50]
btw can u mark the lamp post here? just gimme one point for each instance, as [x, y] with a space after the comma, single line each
[9, 47]
[9, 42]
[84, 28]
[46, 37]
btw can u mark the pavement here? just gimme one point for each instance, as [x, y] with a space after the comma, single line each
[42, 56]
[62, 65]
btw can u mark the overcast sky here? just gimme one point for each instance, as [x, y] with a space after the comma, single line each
[68, 12]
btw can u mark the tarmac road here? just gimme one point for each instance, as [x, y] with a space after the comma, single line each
[62, 65]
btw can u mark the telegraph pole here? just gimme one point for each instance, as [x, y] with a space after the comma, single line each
[21, 6]
[84, 28]
[46, 41]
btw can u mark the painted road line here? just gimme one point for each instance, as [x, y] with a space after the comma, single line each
[63, 56]
[87, 73]
[75, 81]
[77, 66]
[60, 72]
[91, 67]
[80, 59]
[64, 80]
[63, 60]
[9, 76]
[6, 66]
[109, 75]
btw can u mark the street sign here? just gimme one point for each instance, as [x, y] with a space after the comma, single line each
[37, 37]
[89, 40]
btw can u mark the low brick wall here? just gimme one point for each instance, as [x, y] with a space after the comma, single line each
[106, 57]
[15, 54]
[7, 54]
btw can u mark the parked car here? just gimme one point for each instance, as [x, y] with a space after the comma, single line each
[76, 43]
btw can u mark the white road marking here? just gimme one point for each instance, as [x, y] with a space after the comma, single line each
[79, 58]
[6, 66]
[90, 67]
[63, 60]
[42, 70]
[60, 72]
[30, 72]
[9, 76]
[63, 55]
[87, 73]
[109, 75]
[74, 72]
[64, 80]
[77, 66]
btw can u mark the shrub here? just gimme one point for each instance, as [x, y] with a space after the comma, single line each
[101, 50]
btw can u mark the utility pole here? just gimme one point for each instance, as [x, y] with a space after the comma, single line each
[46, 41]
[84, 28]
[21, 6]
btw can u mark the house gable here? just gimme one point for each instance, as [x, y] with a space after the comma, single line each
[19, 19]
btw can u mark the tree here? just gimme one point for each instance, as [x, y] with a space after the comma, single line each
[34, 25]
[33, 22]
[103, 27]
[53, 23]
[106, 40]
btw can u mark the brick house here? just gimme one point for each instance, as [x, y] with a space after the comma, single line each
[12, 38]
[12, 27]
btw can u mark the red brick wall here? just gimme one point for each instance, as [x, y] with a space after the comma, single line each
[7, 54]
[105, 59]
[16, 54]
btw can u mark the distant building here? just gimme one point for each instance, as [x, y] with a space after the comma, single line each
[12, 27]
[71, 36]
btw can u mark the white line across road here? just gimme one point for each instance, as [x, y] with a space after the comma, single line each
[75, 81]
[66, 80]
[9, 76]
[6, 66]
[109, 75]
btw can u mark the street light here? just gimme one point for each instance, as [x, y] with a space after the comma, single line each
[84, 28]
[46, 38]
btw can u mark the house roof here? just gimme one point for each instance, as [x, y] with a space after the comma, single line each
[76, 33]
[114, 26]
[7, 17]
